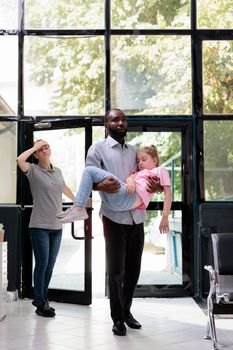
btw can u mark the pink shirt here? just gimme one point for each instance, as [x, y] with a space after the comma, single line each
[141, 183]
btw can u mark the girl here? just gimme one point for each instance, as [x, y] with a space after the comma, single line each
[132, 195]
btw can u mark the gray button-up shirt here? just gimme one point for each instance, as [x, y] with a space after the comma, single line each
[119, 160]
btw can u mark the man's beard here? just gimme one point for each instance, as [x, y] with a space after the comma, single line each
[117, 132]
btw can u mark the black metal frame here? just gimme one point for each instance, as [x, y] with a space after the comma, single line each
[185, 205]
[82, 297]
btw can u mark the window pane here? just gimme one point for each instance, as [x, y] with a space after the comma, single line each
[64, 14]
[215, 14]
[8, 14]
[217, 77]
[162, 254]
[64, 76]
[151, 75]
[218, 160]
[8, 143]
[8, 75]
[150, 14]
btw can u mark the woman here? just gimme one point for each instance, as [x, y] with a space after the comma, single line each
[47, 185]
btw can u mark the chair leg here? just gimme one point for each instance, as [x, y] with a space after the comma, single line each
[213, 331]
[210, 329]
[207, 336]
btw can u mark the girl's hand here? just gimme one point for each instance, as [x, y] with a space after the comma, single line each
[130, 188]
[130, 184]
[164, 225]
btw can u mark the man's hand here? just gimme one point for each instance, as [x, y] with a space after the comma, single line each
[109, 185]
[153, 185]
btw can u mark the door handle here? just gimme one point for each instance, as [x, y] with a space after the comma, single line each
[79, 237]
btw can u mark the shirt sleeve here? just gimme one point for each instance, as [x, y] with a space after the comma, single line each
[93, 157]
[29, 173]
[164, 177]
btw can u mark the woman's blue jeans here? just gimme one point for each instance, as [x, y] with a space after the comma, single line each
[46, 244]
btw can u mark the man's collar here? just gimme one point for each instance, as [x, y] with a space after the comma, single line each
[112, 142]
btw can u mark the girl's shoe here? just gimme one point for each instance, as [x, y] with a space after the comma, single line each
[74, 215]
[63, 213]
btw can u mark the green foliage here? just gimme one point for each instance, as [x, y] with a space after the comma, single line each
[218, 158]
[218, 77]
[150, 14]
[215, 14]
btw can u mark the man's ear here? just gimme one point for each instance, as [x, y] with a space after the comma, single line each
[34, 155]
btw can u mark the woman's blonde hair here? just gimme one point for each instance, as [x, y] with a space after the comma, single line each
[152, 151]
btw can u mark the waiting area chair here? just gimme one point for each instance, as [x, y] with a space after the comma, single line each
[220, 298]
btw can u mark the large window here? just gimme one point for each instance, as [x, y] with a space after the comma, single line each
[169, 59]
[217, 77]
[218, 156]
[64, 75]
[8, 147]
[151, 74]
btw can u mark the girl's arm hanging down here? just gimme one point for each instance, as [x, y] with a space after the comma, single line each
[164, 225]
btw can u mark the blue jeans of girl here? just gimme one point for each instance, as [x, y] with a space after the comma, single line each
[119, 201]
[46, 244]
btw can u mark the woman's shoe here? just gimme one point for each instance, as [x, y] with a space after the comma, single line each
[45, 311]
[46, 304]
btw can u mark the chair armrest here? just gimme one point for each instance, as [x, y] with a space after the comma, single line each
[211, 272]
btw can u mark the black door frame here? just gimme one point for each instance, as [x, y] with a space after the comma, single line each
[25, 201]
[187, 205]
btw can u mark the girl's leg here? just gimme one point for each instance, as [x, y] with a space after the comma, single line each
[91, 175]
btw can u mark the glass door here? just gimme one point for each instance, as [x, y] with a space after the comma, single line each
[71, 280]
[166, 262]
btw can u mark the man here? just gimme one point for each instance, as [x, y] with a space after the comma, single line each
[123, 231]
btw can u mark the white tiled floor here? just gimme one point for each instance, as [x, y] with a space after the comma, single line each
[168, 323]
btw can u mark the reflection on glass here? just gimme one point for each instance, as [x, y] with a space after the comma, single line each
[151, 75]
[214, 14]
[218, 160]
[64, 76]
[8, 75]
[68, 273]
[64, 14]
[8, 14]
[68, 154]
[8, 143]
[162, 254]
[169, 150]
[218, 77]
[150, 14]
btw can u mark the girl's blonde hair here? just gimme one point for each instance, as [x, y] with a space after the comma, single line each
[152, 151]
